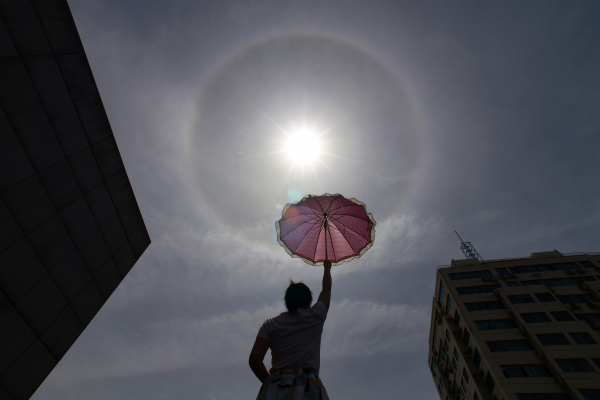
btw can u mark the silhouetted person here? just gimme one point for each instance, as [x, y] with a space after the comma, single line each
[295, 341]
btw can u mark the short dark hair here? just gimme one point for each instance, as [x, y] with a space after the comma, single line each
[297, 295]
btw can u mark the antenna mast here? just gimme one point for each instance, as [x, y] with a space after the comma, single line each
[468, 249]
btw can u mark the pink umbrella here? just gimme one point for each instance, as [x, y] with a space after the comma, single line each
[327, 227]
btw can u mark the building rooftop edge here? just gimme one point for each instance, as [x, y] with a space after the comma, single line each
[533, 256]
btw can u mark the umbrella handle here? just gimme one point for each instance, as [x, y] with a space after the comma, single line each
[325, 225]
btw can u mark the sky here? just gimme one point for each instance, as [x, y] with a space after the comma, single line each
[479, 117]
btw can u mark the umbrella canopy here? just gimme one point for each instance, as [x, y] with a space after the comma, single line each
[327, 227]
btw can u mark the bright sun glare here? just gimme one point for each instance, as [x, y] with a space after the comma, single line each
[303, 147]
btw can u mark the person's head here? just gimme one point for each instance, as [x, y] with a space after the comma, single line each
[297, 295]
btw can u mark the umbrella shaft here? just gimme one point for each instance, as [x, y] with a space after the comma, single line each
[325, 226]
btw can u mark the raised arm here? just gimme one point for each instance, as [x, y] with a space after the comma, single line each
[325, 295]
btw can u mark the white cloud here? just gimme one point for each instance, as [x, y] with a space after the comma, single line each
[365, 328]
[354, 328]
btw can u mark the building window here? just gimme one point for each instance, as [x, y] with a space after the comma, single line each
[565, 266]
[456, 355]
[448, 305]
[463, 384]
[455, 362]
[441, 387]
[590, 394]
[485, 305]
[441, 296]
[448, 336]
[525, 269]
[553, 339]
[489, 382]
[513, 284]
[466, 337]
[435, 335]
[469, 275]
[525, 371]
[574, 365]
[477, 358]
[592, 318]
[596, 361]
[578, 298]
[586, 264]
[577, 280]
[495, 324]
[542, 396]
[520, 298]
[534, 317]
[582, 338]
[457, 318]
[477, 289]
[475, 396]
[544, 297]
[562, 316]
[508, 345]
[465, 375]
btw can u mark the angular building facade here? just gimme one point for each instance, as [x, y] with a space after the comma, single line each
[517, 329]
[70, 226]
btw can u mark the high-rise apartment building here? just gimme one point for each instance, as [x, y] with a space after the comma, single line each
[517, 329]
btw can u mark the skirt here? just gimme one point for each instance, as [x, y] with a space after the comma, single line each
[293, 384]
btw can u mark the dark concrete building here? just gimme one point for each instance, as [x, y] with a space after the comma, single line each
[70, 226]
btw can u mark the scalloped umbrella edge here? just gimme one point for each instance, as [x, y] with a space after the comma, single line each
[364, 249]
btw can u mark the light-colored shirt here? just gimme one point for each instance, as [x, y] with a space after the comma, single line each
[295, 338]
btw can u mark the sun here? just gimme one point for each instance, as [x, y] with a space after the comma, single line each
[303, 147]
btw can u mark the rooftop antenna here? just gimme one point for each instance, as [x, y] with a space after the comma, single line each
[468, 249]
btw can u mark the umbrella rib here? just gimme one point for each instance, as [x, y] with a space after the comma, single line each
[316, 243]
[282, 237]
[333, 248]
[330, 204]
[351, 229]
[344, 236]
[357, 205]
[350, 216]
[347, 205]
